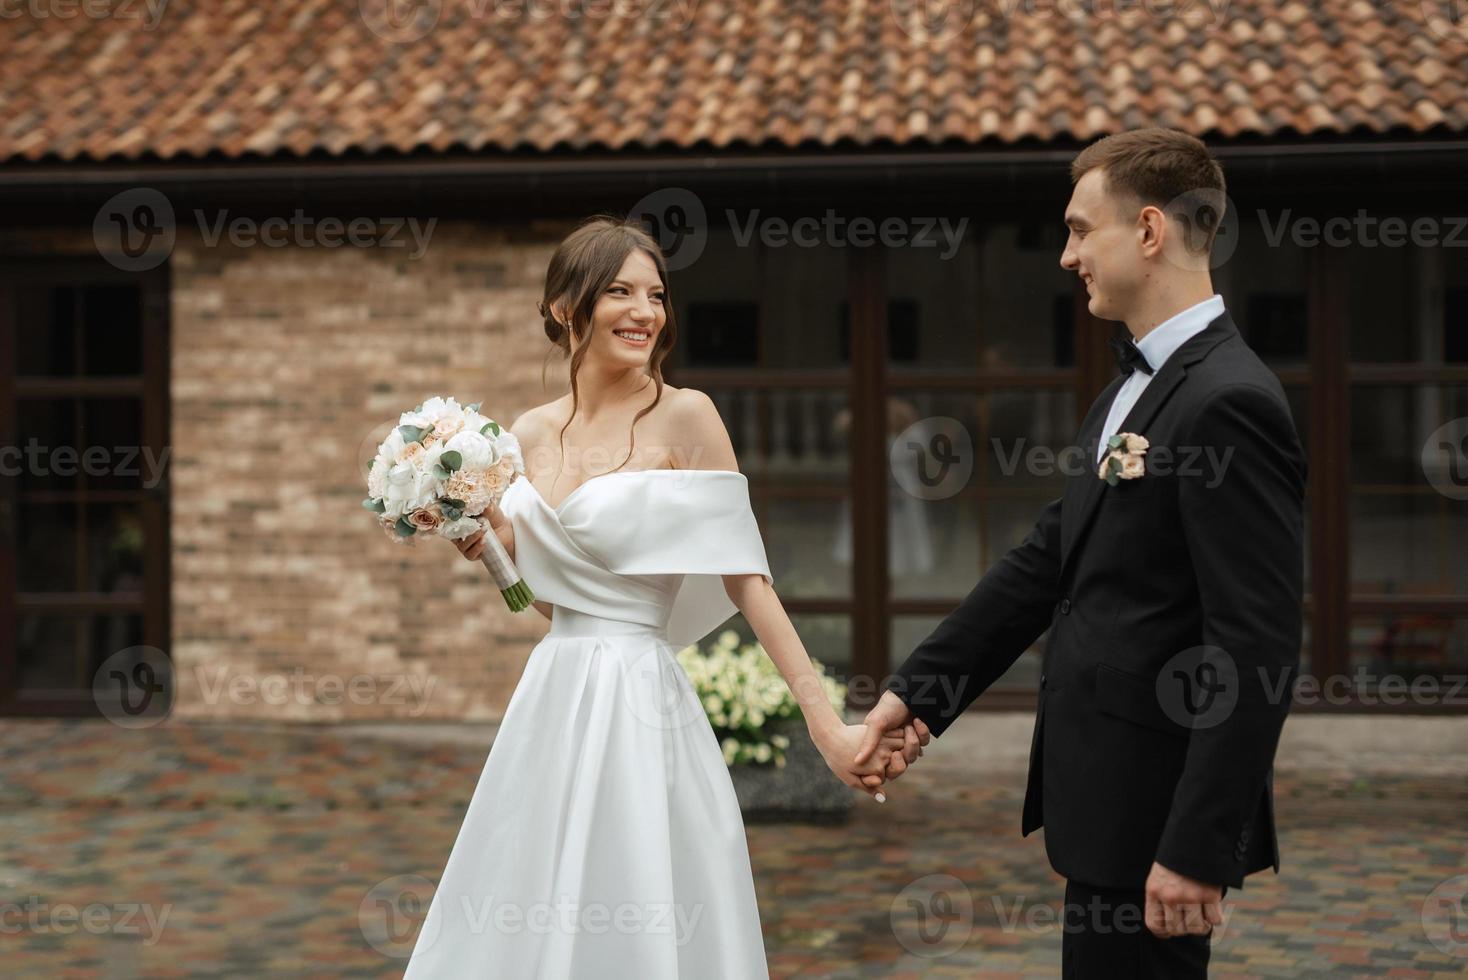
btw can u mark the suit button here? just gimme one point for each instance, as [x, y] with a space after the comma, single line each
[1042, 682]
[1065, 606]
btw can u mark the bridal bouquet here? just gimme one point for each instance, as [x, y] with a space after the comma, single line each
[437, 472]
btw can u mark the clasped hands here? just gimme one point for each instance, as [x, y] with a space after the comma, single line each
[867, 756]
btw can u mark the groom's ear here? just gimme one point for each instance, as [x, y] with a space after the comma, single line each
[1151, 230]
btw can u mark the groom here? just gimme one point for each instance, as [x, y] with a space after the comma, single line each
[1172, 589]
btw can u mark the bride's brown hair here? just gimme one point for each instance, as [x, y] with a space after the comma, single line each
[583, 266]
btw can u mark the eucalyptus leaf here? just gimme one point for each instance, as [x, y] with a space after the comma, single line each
[1115, 442]
[452, 459]
[475, 406]
[405, 529]
[440, 473]
[453, 502]
[411, 433]
[494, 427]
[377, 506]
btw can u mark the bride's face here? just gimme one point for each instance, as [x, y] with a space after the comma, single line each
[629, 314]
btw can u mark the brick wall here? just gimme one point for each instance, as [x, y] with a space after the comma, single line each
[287, 363]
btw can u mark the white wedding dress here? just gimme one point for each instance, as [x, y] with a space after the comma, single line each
[604, 840]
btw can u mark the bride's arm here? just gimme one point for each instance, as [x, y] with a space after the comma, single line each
[706, 442]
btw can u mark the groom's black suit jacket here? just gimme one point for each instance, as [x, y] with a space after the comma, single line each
[1135, 578]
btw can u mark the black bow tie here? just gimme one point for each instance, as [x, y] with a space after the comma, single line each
[1128, 356]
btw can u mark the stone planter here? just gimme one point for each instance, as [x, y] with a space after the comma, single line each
[804, 791]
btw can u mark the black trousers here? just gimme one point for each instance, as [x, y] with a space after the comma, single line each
[1105, 937]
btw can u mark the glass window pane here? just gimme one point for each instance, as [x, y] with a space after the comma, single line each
[1264, 286]
[46, 438]
[111, 454]
[1391, 424]
[997, 300]
[909, 631]
[46, 318]
[115, 547]
[1022, 433]
[45, 547]
[753, 303]
[716, 302]
[1408, 304]
[1408, 544]
[808, 542]
[112, 341]
[1409, 646]
[827, 638]
[1406, 536]
[61, 652]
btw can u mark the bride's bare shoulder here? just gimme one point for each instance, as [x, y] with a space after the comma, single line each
[532, 424]
[701, 434]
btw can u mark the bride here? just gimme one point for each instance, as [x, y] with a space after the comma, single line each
[604, 840]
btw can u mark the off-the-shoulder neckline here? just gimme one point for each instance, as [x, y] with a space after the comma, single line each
[582, 486]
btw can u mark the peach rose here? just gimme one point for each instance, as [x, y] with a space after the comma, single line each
[410, 452]
[444, 429]
[426, 518]
[1132, 467]
[1137, 444]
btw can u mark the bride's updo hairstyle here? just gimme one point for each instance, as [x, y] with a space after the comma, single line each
[583, 266]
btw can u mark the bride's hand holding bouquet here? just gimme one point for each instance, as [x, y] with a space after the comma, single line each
[442, 471]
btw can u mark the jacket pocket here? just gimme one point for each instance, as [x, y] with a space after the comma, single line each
[1129, 697]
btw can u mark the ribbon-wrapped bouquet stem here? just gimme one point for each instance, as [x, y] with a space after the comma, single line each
[440, 471]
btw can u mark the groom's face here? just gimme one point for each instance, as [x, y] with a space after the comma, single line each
[1104, 247]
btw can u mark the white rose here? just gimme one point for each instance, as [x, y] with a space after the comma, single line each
[408, 488]
[478, 452]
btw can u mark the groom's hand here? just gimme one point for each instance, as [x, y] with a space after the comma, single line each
[891, 716]
[1177, 905]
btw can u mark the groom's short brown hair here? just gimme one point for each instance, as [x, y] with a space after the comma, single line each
[1166, 168]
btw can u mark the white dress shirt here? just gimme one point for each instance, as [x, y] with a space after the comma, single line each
[1157, 347]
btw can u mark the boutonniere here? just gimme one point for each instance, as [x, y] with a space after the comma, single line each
[1124, 458]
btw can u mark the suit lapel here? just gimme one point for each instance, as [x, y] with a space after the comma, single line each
[1087, 498]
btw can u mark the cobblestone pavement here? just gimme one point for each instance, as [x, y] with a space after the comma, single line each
[271, 851]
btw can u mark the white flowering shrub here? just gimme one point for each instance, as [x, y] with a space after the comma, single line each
[743, 694]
